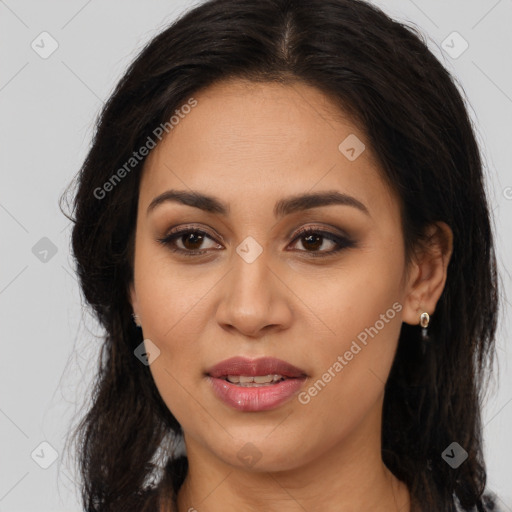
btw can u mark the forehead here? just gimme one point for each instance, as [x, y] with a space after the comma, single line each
[244, 139]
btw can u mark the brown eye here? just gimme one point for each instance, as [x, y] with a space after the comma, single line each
[313, 242]
[314, 239]
[192, 240]
[187, 241]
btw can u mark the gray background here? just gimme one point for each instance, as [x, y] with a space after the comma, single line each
[48, 107]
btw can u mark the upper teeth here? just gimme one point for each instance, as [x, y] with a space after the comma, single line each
[258, 379]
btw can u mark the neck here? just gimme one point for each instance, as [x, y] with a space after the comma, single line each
[350, 476]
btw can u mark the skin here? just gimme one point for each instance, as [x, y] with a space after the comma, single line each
[251, 145]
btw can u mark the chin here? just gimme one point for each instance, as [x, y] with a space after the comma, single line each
[257, 454]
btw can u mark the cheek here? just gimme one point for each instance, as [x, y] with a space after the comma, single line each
[172, 308]
[171, 297]
[362, 309]
[361, 294]
[174, 327]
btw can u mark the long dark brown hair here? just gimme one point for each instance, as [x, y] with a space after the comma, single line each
[379, 71]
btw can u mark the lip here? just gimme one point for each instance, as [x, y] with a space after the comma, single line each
[254, 399]
[253, 367]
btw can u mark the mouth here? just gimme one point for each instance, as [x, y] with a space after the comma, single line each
[255, 385]
[265, 370]
[246, 381]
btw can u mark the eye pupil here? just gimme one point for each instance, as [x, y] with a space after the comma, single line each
[192, 238]
[310, 238]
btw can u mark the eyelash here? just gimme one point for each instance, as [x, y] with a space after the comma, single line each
[341, 241]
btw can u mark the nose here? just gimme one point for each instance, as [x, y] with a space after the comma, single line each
[254, 298]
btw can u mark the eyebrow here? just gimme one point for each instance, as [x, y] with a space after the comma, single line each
[282, 207]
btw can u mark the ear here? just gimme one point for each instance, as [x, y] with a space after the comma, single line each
[428, 272]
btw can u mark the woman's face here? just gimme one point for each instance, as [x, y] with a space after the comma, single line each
[330, 303]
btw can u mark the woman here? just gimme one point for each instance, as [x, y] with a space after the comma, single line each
[288, 198]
